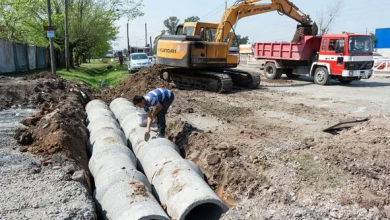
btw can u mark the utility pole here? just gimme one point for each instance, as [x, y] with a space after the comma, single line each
[146, 34]
[128, 40]
[53, 63]
[150, 46]
[67, 54]
[225, 4]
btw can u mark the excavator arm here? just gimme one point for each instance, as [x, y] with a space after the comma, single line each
[248, 8]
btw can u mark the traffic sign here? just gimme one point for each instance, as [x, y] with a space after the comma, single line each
[49, 28]
[50, 34]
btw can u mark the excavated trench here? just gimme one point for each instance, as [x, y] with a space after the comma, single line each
[183, 194]
[198, 147]
[58, 128]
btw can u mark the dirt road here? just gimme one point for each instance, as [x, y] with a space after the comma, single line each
[265, 149]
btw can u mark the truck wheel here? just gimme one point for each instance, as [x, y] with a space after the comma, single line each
[271, 72]
[321, 76]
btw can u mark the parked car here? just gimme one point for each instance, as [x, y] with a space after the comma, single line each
[138, 61]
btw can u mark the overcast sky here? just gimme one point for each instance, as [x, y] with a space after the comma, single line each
[355, 16]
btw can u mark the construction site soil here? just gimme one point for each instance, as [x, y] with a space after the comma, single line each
[267, 158]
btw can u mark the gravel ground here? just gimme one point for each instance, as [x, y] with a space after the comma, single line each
[33, 188]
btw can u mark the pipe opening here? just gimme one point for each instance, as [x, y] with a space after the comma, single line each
[205, 211]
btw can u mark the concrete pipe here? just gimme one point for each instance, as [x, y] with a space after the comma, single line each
[95, 104]
[180, 187]
[142, 205]
[103, 122]
[195, 168]
[122, 192]
[111, 159]
[97, 113]
[107, 132]
[120, 101]
[106, 136]
[122, 111]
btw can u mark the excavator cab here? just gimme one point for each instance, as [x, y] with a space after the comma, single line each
[193, 46]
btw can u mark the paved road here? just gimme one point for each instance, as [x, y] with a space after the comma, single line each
[360, 98]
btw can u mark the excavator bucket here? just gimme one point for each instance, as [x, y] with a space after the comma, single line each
[304, 30]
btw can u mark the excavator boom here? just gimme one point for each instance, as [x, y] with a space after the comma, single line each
[248, 8]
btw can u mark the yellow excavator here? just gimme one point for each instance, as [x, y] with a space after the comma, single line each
[198, 56]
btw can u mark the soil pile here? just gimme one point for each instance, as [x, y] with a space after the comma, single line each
[227, 171]
[362, 153]
[35, 90]
[58, 127]
[138, 84]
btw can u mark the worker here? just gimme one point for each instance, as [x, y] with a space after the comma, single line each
[121, 58]
[160, 99]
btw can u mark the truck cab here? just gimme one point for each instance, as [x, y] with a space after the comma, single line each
[345, 57]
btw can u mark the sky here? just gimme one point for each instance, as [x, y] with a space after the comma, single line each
[357, 16]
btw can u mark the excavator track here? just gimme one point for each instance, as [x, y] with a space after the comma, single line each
[215, 80]
[199, 79]
[243, 78]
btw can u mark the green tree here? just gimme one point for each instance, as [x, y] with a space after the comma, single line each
[373, 38]
[240, 40]
[171, 24]
[91, 23]
[192, 19]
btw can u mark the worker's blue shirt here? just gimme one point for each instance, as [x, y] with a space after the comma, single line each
[156, 96]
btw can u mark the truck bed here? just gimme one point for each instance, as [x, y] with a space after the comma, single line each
[301, 51]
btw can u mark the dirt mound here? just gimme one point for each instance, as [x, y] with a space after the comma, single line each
[36, 89]
[43, 75]
[58, 126]
[138, 84]
[363, 153]
[225, 168]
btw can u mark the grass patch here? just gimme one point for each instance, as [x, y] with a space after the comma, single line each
[94, 74]
[315, 172]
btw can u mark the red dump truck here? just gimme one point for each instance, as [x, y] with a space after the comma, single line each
[345, 57]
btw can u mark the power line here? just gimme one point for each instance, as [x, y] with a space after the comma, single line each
[212, 11]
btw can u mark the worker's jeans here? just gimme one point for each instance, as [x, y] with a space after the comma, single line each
[161, 123]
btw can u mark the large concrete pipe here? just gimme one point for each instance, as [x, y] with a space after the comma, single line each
[122, 192]
[178, 185]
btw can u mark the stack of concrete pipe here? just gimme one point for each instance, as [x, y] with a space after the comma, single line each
[177, 183]
[122, 192]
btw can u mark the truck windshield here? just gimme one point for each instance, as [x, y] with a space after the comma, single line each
[358, 45]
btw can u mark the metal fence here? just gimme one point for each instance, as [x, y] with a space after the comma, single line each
[382, 68]
[16, 57]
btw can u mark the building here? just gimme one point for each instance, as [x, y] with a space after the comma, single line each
[141, 50]
[382, 44]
